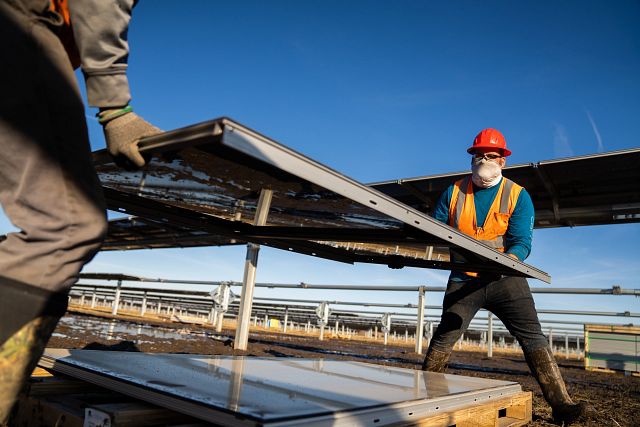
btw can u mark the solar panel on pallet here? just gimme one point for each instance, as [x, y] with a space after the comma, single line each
[242, 391]
[209, 176]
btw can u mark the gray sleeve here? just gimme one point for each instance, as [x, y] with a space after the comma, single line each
[100, 29]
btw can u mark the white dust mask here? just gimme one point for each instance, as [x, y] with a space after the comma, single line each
[485, 173]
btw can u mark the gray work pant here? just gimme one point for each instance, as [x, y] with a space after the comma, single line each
[48, 186]
[509, 298]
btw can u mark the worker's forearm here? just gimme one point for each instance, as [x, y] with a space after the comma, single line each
[517, 254]
[100, 29]
[520, 232]
[441, 210]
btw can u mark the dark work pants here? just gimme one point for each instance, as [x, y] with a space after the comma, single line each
[48, 186]
[509, 298]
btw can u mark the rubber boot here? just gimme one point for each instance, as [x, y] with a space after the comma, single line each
[545, 369]
[28, 317]
[18, 358]
[435, 360]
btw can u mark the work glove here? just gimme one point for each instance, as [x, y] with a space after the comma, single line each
[123, 129]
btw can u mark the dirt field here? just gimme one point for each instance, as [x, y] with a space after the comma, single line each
[614, 398]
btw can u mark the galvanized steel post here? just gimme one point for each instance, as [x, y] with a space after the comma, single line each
[249, 279]
[490, 335]
[420, 320]
[219, 320]
[143, 307]
[116, 300]
[286, 319]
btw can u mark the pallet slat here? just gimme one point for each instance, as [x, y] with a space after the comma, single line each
[131, 414]
[55, 400]
[611, 371]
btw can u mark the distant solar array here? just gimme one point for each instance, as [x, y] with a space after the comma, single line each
[203, 182]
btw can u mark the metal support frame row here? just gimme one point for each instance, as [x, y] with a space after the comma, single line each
[614, 290]
[487, 335]
[202, 298]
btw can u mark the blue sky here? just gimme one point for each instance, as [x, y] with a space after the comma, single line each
[383, 90]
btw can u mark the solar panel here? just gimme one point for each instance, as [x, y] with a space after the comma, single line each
[253, 391]
[142, 233]
[209, 176]
[565, 192]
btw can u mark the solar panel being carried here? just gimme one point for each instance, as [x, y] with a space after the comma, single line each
[208, 177]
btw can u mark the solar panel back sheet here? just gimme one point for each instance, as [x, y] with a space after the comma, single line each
[140, 233]
[565, 192]
[208, 177]
[248, 391]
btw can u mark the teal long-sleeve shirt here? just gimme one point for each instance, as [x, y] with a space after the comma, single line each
[520, 229]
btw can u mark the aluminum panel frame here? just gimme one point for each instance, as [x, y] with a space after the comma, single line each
[257, 146]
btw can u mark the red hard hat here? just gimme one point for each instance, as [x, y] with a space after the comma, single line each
[490, 138]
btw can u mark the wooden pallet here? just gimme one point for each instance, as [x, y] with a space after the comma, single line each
[510, 411]
[612, 371]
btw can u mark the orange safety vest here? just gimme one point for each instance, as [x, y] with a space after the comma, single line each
[462, 213]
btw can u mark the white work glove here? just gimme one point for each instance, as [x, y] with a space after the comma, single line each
[123, 129]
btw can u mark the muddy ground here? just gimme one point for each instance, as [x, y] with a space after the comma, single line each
[614, 398]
